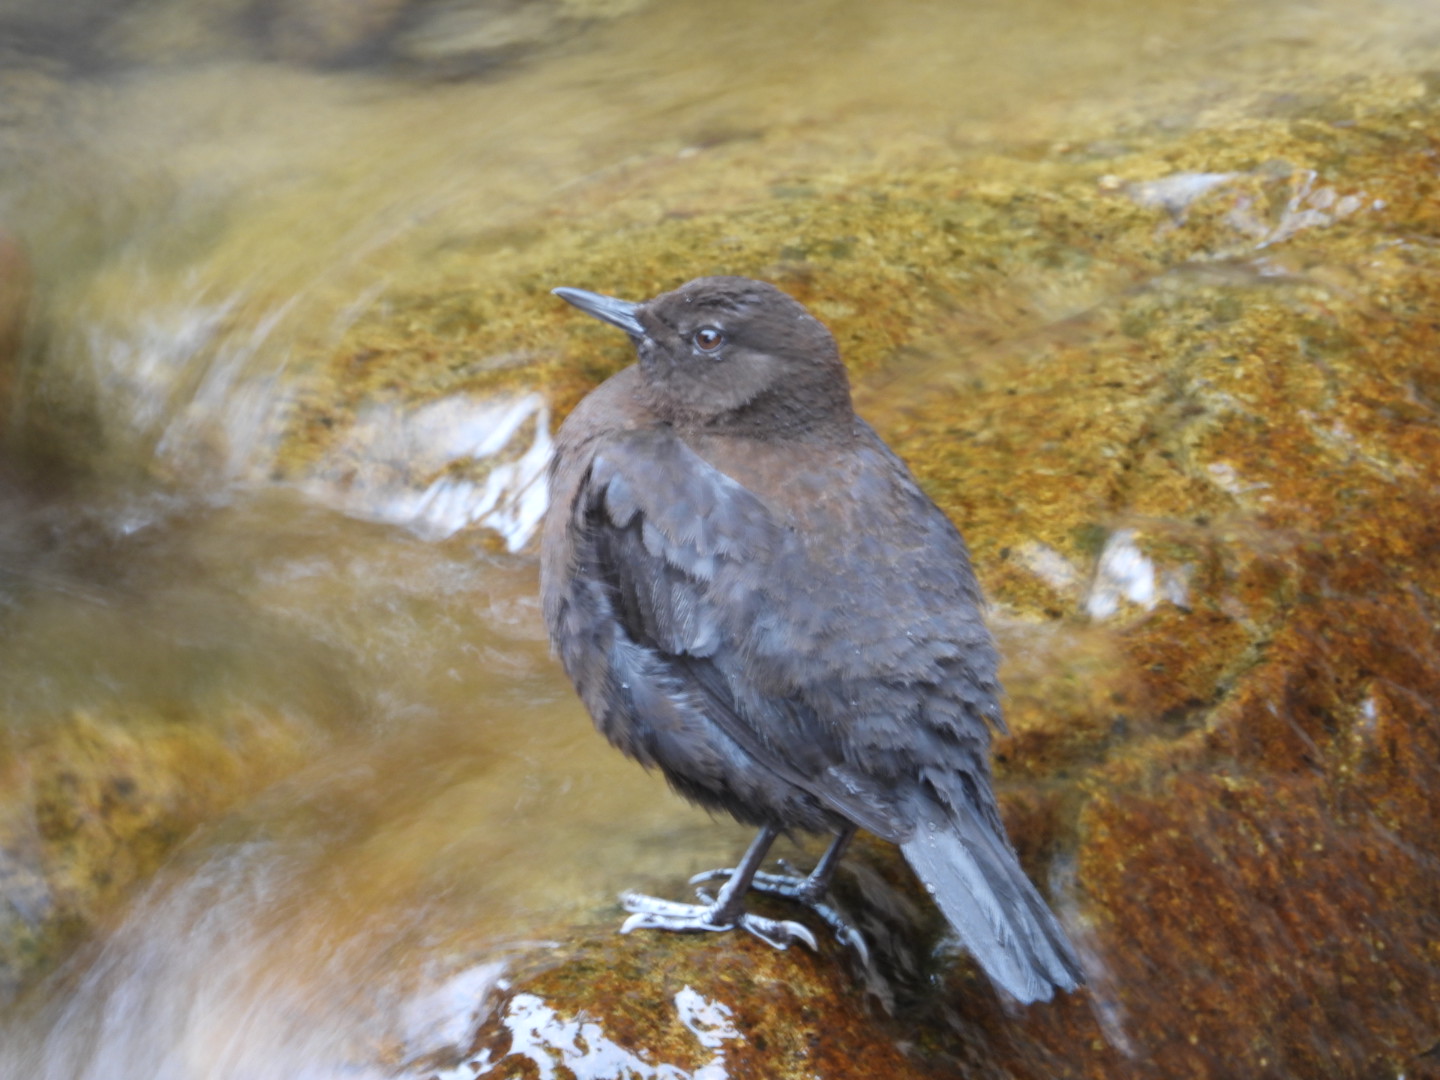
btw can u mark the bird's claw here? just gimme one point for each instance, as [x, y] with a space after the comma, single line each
[779, 933]
[793, 887]
[652, 913]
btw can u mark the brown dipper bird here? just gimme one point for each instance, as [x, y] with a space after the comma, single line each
[749, 590]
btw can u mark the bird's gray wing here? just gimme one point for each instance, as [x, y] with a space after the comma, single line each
[668, 570]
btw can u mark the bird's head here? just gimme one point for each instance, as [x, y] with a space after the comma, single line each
[731, 353]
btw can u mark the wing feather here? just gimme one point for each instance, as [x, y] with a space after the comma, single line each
[680, 552]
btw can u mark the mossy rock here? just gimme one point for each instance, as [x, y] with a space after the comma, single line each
[1218, 401]
[94, 803]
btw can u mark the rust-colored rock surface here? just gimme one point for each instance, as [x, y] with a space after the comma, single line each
[1254, 826]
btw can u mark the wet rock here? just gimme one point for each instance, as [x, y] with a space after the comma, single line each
[667, 1005]
[1180, 387]
[1182, 396]
[92, 804]
[1251, 837]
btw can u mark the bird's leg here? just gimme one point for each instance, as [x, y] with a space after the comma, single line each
[809, 891]
[818, 883]
[725, 912]
[731, 902]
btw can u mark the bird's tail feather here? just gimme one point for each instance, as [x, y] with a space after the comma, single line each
[980, 886]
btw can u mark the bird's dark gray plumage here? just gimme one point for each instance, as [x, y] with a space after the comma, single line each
[750, 592]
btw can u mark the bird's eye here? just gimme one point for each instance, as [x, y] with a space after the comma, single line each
[708, 339]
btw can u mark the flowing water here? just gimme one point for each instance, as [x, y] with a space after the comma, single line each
[413, 792]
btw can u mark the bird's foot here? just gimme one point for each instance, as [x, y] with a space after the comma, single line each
[652, 913]
[803, 891]
[790, 886]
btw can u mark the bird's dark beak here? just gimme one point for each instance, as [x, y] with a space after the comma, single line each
[619, 313]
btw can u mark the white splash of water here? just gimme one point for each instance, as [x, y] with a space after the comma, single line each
[442, 466]
[236, 408]
[1175, 193]
[208, 402]
[1310, 205]
[139, 372]
[577, 1046]
[224, 976]
[1125, 573]
[180, 387]
[449, 1015]
[712, 1024]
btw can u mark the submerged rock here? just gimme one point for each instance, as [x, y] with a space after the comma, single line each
[93, 804]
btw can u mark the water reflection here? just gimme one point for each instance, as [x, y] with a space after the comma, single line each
[561, 1046]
